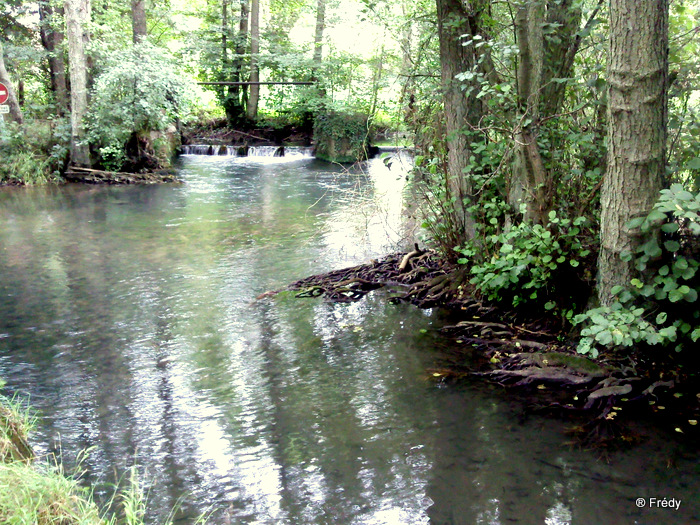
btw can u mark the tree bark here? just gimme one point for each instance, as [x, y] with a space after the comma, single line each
[52, 41]
[77, 17]
[15, 111]
[463, 110]
[637, 119]
[234, 102]
[543, 58]
[318, 34]
[252, 107]
[138, 20]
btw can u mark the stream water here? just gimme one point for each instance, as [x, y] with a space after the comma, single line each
[128, 319]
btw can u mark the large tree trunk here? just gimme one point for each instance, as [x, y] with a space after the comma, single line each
[52, 40]
[542, 59]
[77, 17]
[138, 20]
[637, 114]
[15, 111]
[463, 110]
[252, 107]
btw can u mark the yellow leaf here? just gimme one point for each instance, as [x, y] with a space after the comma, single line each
[693, 421]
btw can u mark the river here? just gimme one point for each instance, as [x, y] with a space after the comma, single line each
[128, 320]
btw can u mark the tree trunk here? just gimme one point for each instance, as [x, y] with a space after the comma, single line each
[234, 102]
[252, 107]
[542, 59]
[637, 115]
[77, 17]
[463, 110]
[52, 40]
[15, 111]
[138, 20]
[318, 34]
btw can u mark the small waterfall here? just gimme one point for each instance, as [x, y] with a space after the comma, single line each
[246, 151]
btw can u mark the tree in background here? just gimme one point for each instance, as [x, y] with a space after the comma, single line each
[77, 13]
[51, 30]
[138, 20]
[252, 107]
[546, 33]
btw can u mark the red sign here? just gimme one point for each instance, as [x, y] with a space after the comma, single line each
[4, 93]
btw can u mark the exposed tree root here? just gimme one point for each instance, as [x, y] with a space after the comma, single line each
[517, 352]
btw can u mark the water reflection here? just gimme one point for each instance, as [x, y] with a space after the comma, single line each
[128, 315]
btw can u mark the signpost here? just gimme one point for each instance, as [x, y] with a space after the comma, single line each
[4, 95]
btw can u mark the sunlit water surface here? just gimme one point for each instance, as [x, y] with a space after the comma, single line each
[128, 318]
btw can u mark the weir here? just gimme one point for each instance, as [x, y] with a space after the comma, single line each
[246, 151]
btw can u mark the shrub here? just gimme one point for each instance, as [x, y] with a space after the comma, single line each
[138, 91]
[661, 306]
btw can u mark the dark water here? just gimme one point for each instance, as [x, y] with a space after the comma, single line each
[127, 316]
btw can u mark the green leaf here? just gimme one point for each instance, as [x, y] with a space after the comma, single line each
[637, 283]
[604, 338]
[668, 333]
[574, 263]
[635, 223]
[626, 256]
[661, 318]
[695, 335]
[672, 246]
[675, 295]
[670, 227]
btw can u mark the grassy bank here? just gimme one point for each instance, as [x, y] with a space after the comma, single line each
[35, 491]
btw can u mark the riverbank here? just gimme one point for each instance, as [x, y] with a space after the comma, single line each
[533, 356]
[35, 490]
[31, 490]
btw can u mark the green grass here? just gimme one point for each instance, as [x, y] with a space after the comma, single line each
[34, 492]
[41, 494]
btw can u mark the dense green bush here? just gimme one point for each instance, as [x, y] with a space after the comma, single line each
[530, 263]
[341, 137]
[34, 152]
[139, 90]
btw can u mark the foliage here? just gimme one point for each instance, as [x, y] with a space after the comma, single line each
[35, 152]
[139, 90]
[653, 308]
[531, 262]
[341, 137]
